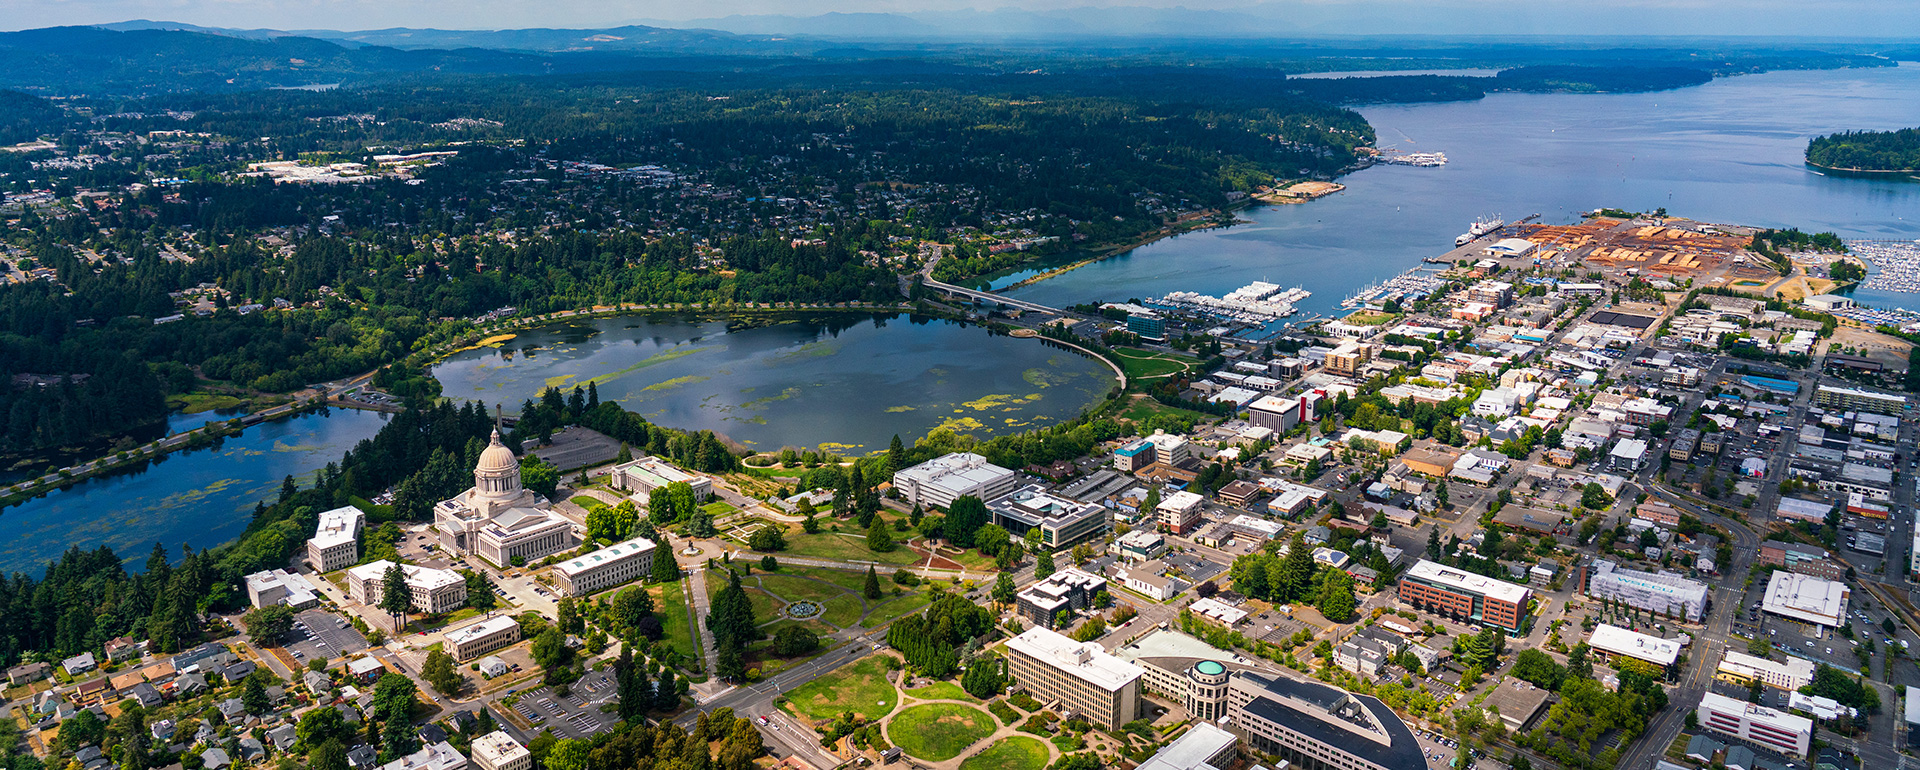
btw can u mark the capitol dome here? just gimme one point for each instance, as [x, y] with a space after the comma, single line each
[497, 475]
[496, 457]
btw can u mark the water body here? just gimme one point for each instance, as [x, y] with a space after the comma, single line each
[845, 382]
[1459, 73]
[1729, 151]
[199, 497]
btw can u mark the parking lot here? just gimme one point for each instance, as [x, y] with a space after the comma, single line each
[575, 715]
[318, 634]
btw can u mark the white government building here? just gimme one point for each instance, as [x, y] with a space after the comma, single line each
[608, 567]
[336, 542]
[498, 519]
[434, 590]
[649, 473]
[499, 751]
[938, 482]
[483, 637]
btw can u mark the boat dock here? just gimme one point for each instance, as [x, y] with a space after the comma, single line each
[1256, 303]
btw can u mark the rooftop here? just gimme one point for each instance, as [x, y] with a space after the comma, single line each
[1192, 750]
[1086, 661]
[572, 567]
[481, 629]
[1621, 641]
[1806, 597]
[1434, 572]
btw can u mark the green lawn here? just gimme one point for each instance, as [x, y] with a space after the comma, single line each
[937, 732]
[718, 508]
[861, 688]
[1145, 408]
[837, 547]
[895, 609]
[795, 588]
[1146, 363]
[852, 580]
[942, 691]
[843, 610]
[1016, 752]
[671, 603]
[194, 403]
[588, 502]
[765, 607]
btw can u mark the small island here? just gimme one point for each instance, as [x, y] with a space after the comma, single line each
[1872, 152]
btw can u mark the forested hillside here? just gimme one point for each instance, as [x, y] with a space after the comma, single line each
[1867, 150]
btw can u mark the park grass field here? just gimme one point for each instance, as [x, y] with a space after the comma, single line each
[942, 691]
[1015, 752]
[843, 610]
[838, 547]
[795, 588]
[936, 732]
[897, 608]
[861, 688]
[1139, 363]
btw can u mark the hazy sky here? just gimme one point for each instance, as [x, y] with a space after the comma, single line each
[1869, 18]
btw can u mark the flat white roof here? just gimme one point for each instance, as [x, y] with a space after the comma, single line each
[1805, 597]
[1084, 660]
[1434, 572]
[497, 746]
[1181, 500]
[423, 577]
[960, 472]
[1799, 669]
[481, 630]
[605, 555]
[1630, 449]
[1192, 750]
[1754, 712]
[337, 526]
[1218, 610]
[1633, 644]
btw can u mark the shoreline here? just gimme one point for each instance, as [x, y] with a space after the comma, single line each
[1864, 172]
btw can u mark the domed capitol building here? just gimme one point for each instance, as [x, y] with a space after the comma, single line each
[498, 519]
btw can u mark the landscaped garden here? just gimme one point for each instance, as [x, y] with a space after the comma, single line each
[936, 732]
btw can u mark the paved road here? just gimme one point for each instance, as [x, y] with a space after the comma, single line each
[786, 737]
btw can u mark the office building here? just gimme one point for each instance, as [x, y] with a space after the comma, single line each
[499, 751]
[483, 637]
[1854, 399]
[336, 542]
[1081, 678]
[1179, 511]
[1807, 599]
[646, 474]
[1443, 590]
[1068, 589]
[613, 565]
[1279, 414]
[1147, 578]
[1662, 593]
[1348, 358]
[1313, 726]
[1771, 728]
[1062, 522]
[277, 586]
[1133, 455]
[938, 482]
[1204, 747]
[1740, 668]
[1613, 641]
[434, 590]
[1139, 545]
[1148, 324]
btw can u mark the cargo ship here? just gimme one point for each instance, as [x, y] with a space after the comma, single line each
[1480, 228]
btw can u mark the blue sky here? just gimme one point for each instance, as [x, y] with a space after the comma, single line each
[1848, 18]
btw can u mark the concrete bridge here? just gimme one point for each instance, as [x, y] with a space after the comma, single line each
[988, 297]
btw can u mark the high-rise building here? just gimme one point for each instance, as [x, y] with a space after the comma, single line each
[1079, 678]
[1069, 589]
[1859, 400]
[1180, 511]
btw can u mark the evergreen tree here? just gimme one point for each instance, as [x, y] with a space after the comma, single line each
[665, 569]
[1042, 564]
[880, 536]
[965, 517]
[395, 597]
[872, 588]
[329, 755]
[896, 454]
[1296, 574]
[666, 692]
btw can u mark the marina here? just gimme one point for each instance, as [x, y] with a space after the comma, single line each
[1259, 302]
[1415, 283]
[1896, 264]
[1420, 159]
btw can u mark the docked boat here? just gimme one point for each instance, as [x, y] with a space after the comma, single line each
[1481, 228]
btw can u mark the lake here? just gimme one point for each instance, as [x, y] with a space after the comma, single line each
[846, 382]
[200, 497]
[1729, 151]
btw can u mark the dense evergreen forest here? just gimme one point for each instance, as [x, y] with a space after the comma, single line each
[1867, 150]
